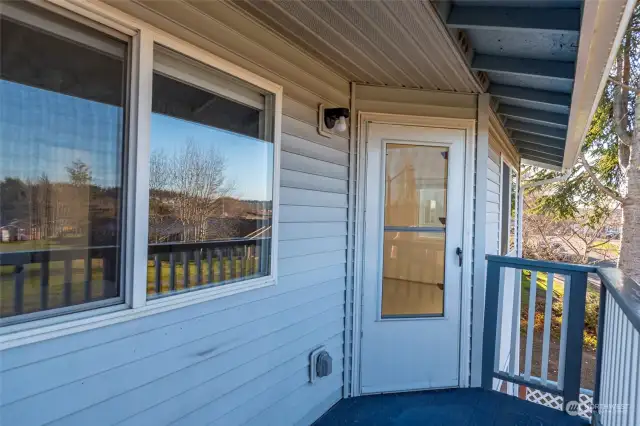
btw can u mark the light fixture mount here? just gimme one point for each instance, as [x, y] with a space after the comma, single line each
[332, 120]
[332, 115]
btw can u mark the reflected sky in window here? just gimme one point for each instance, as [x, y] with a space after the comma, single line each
[43, 132]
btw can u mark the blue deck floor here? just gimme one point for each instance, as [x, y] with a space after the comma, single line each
[456, 407]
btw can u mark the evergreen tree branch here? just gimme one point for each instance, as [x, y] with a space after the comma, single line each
[608, 191]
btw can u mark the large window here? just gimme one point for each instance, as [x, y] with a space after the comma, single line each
[211, 166]
[62, 139]
[127, 153]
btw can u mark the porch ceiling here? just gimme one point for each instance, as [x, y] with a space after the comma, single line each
[534, 55]
[384, 42]
[524, 53]
[528, 52]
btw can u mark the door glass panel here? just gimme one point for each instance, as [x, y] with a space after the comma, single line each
[414, 236]
[416, 186]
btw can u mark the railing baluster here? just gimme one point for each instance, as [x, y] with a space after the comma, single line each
[44, 281]
[618, 354]
[626, 368]
[158, 273]
[18, 295]
[601, 348]
[634, 379]
[172, 271]
[108, 262]
[232, 260]
[515, 322]
[185, 269]
[243, 261]
[198, 256]
[68, 278]
[88, 273]
[533, 288]
[220, 265]
[608, 355]
[546, 339]
[209, 266]
[563, 330]
[496, 357]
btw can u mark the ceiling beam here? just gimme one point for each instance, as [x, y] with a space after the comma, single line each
[543, 97]
[540, 157]
[536, 129]
[541, 164]
[553, 152]
[534, 115]
[538, 140]
[557, 70]
[515, 18]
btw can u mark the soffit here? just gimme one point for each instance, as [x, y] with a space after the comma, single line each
[385, 42]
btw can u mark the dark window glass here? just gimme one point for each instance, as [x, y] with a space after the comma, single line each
[62, 109]
[211, 174]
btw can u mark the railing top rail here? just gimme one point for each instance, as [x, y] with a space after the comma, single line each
[539, 265]
[52, 255]
[178, 247]
[59, 254]
[625, 291]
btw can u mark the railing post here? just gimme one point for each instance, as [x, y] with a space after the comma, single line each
[599, 349]
[490, 323]
[575, 330]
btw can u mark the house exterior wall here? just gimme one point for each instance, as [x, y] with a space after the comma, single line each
[240, 359]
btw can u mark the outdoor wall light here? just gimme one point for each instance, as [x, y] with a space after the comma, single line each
[332, 120]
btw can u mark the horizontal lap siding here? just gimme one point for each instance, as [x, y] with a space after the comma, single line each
[240, 359]
[493, 203]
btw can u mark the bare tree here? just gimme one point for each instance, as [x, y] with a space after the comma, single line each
[191, 183]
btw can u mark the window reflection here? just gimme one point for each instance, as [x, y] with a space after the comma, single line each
[211, 173]
[416, 183]
[61, 169]
[414, 238]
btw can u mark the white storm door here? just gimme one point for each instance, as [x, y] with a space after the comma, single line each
[412, 269]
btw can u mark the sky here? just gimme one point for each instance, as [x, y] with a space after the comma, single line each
[43, 132]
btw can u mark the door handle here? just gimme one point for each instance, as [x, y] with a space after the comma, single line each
[459, 253]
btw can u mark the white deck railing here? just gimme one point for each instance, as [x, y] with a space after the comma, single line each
[616, 397]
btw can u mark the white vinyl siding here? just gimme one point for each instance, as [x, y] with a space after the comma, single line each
[493, 203]
[241, 359]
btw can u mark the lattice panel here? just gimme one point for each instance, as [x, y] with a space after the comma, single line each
[553, 401]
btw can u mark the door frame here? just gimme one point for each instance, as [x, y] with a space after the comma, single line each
[469, 126]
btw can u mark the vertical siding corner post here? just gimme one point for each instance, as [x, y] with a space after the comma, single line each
[490, 323]
[479, 232]
[575, 327]
[599, 350]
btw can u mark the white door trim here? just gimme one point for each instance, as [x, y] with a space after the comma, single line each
[468, 125]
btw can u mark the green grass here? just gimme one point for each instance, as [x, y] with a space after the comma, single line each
[591, 307]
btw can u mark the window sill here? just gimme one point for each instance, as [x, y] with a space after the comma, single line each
[13, 336]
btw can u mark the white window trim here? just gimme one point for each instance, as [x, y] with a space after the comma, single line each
[510, 251]
[134, 277]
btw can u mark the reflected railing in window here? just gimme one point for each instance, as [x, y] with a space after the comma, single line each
[211, 178]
